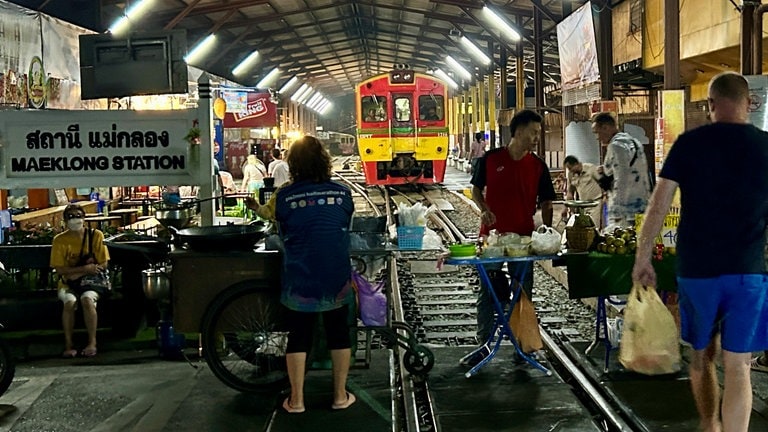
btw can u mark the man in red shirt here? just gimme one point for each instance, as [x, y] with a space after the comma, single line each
[508, 184]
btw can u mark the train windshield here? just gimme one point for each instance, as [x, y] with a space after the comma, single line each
[431, 107]
[374, 108]
[402, 108]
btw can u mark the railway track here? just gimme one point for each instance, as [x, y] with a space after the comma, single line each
[440, 308]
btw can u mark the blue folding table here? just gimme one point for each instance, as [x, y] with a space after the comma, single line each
[502, 318]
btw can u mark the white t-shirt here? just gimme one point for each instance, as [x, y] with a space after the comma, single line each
[280, 172]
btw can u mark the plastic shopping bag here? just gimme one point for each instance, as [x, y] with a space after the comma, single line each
[649, 343]
[525, 325]
[546, 241]
[371, 300]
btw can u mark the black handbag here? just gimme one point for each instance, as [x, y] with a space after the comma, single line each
[99, 282]
[606, 182]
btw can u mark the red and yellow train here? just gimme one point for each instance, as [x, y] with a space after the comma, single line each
[402, 128]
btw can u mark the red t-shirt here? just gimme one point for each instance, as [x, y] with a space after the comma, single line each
[513, 189]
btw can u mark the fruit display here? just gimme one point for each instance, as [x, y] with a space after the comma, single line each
[623, 241]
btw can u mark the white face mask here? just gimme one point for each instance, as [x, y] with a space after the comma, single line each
[75, 224]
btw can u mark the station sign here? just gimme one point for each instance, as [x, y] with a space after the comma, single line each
[106, 148]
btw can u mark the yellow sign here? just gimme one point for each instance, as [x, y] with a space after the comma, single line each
[37, 83]
[219, 108]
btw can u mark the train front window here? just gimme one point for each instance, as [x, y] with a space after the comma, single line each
[374, 108]
[431, 107]
[402, 108]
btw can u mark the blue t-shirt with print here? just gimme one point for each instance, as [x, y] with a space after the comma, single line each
[314, 220]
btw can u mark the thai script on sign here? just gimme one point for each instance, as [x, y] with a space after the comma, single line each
[114, 138]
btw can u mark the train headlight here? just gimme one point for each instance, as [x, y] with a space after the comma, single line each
[368, 151]
[439, 149]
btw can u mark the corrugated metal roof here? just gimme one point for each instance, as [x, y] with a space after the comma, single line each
[333, 44]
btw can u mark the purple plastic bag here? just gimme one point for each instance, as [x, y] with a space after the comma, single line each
[372, 301]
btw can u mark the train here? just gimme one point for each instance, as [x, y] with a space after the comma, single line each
[339, 143]
[402, 128]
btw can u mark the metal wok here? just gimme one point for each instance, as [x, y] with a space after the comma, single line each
[222, 237]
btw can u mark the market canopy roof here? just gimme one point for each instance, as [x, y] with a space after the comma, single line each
[332, 44]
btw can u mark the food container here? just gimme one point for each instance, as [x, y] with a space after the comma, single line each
[517, 249]
[463, 250]
[493, 251]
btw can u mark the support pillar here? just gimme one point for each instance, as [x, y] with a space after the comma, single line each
[672, 45]
[492, 109]
[539, 73]
[604, 35]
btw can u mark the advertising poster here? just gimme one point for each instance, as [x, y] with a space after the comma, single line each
[19, 44]
[577, 47]
[247, 109]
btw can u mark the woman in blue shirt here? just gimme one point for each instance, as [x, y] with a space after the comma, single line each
[313, 215]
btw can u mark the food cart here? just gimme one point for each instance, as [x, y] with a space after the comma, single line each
[601, 275]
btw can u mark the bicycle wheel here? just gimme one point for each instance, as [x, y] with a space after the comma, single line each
[243, 339]
[7, 366]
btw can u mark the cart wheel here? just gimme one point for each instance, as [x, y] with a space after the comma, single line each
[7, 366]
[419, 361]
[359, 265]
[243, 340]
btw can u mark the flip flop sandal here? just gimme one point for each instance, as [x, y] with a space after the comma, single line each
[290, 409]
[755, 365]
[70, 353]
[89, 352]
[344, 405]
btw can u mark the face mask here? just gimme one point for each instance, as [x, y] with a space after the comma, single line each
[75, 224]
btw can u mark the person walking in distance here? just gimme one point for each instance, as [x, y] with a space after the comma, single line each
[476, 151]
[625, 161]
[721, 270]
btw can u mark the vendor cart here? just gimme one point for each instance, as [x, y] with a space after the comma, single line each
[603, 275]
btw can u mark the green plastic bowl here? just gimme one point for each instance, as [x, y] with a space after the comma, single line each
[462, 250]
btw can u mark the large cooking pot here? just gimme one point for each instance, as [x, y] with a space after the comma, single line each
[175, 216]
[222, 237]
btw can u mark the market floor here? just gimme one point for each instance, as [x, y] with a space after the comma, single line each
[137, 391]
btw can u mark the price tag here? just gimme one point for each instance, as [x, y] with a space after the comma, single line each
[669, 236]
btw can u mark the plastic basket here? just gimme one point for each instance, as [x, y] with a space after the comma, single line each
[410, 237]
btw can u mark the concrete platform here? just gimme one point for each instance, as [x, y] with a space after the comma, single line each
[503, 396]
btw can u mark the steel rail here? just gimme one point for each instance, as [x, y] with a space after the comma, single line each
[585, 384]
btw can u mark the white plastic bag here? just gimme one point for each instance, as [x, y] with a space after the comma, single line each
[649, 340]
[545, 241]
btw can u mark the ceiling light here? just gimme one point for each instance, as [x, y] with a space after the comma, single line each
[246, 63]
[299, 92]
[475, 51]
[500, 23]
[444, 76]
[314, 99]
[121, 24]
[326, 109]
[456, 66]
[199, 51]
[269, 78]
[306, 95]
[287, 86]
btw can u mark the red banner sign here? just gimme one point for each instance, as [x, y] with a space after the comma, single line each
[257, 112]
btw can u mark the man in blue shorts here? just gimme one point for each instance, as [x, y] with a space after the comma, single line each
[721, 271]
